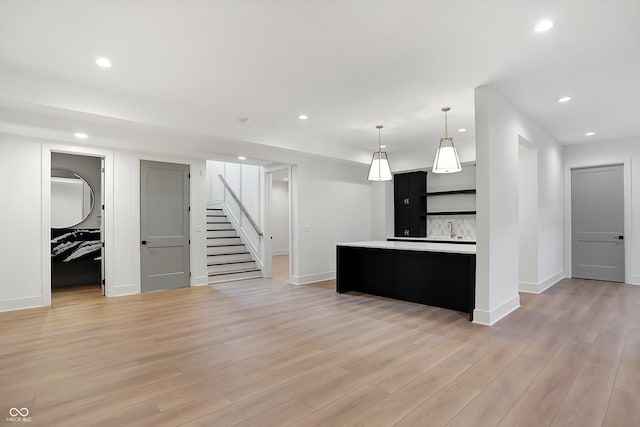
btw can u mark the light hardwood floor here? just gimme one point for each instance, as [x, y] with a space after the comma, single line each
[280, 267]
[266, 353]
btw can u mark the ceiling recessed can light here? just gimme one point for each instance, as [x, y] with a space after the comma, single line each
[103, 62]
[383, 146]
[589, 134]
[564, 99]
[285, 179]
[544, 25]
[462, 130]
[81, 135]
[303, 117]
[242, 158]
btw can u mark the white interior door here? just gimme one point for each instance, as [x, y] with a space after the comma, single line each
[597, 223]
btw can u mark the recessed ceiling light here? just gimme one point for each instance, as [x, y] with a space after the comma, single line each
[242, 158]
[543, 26]
[383, 146]
[564, 99]
[103, 62]
[303, 117]
[285, 179]
[81, 135]
[589, 134]
[462, 130]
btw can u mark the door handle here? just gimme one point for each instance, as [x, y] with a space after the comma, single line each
[144, 242]
[619, 237]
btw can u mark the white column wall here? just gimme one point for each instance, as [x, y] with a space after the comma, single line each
[499, 125]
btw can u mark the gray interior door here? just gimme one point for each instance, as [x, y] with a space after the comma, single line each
[164, 225]
[597, 223]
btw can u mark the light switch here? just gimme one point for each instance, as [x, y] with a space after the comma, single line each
[202, 172]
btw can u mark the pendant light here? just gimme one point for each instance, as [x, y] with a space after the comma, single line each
[447, 160]
[380, 169]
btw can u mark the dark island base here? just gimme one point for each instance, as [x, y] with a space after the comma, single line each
[444, 280]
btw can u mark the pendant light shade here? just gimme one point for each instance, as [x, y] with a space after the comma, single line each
[446, 160]
[380, 169]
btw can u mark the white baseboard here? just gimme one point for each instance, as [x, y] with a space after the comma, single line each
[214, 202]
[122, 290]
[20, 303]
[528, 287]
[635, 280]
[489, 318]
[538, 288]
[313, 278]
[200, 281]
[280, 252]
[550, 281]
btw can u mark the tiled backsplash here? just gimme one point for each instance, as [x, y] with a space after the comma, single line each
[463, 225]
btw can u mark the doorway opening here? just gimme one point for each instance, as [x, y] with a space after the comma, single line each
[77, 227]
[279, 228]
[527, 216]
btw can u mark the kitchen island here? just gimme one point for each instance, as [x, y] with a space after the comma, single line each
[438, 274]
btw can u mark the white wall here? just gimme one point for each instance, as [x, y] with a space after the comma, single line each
[25, 222]
[332, 204]
[20, 224]
[215, 188]
[380, 210]
[499, 127]
[280, 217]
[626, 152]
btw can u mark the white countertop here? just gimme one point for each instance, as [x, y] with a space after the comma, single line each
[439, 239]
[415, 246]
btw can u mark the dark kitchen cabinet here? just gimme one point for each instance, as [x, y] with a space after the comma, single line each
[410, 204]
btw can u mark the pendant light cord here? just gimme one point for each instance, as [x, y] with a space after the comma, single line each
[379, 153]
[446, 133]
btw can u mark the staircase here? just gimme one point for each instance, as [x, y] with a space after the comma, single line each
[227, 257]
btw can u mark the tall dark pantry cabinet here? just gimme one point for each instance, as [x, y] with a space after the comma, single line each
[410, 204]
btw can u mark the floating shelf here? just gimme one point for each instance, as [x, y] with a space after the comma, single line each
[443, 193]
[449, 213]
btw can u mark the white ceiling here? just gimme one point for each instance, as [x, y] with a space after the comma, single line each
[200, 66]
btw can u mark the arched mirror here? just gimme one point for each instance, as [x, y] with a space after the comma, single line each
[71, 199]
